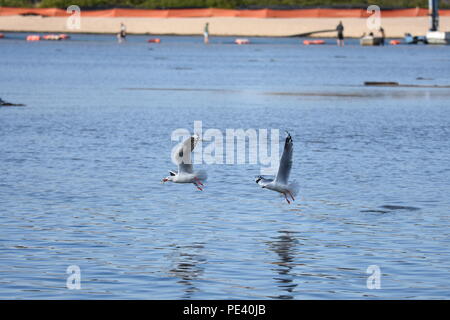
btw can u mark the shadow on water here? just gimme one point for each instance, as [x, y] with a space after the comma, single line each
[284, 246]
[390, 208]
[187, 267]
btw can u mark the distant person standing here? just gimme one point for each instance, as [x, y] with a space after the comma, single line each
[206, 33]
[122, 33]
[383, 35]
[340, 34]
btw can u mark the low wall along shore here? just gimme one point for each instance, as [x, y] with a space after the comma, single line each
[221, 22]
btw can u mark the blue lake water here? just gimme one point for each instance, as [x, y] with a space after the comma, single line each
[82, 165]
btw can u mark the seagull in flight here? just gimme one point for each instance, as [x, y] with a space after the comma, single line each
[186, 173]
[280, 183]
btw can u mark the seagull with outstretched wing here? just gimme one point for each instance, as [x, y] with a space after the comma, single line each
[186, 173]
[281, 182]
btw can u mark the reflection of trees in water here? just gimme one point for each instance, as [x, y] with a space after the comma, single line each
[187, 267]
[284, 246]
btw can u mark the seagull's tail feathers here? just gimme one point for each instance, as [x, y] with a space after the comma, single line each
[201, 175]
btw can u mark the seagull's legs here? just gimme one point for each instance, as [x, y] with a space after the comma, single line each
[293, 199]
[197, 186]
[198, 181]
[286, 198]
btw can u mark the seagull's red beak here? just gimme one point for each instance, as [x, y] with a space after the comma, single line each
[164, 180]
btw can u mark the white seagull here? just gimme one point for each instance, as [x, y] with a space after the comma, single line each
[280, 183]
[186, 173]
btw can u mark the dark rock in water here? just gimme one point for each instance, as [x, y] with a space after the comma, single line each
[9, 104]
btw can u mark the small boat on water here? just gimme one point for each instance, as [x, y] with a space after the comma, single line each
[438, 37]
[311, 42]
[33, 37]
[371, 41]
[154, 40]
[242, 41]
[432, 37]
[51, 37]
[410, 39]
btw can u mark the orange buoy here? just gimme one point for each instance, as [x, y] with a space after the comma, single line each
[155, 40]
[33, 37]
[394, 42]
[242, 41]
[309, 42]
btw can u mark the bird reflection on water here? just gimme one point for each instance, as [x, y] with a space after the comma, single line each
[284, 246]
[188, 267]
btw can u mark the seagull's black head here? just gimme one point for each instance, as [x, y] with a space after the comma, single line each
[258, 179]
[288, 137]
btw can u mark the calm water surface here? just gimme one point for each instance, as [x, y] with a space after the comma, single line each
[82, 164]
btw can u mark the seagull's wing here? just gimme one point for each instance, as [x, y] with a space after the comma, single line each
[286, 162]
[183, 154]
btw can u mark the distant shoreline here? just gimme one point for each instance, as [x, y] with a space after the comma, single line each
[220, 26]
